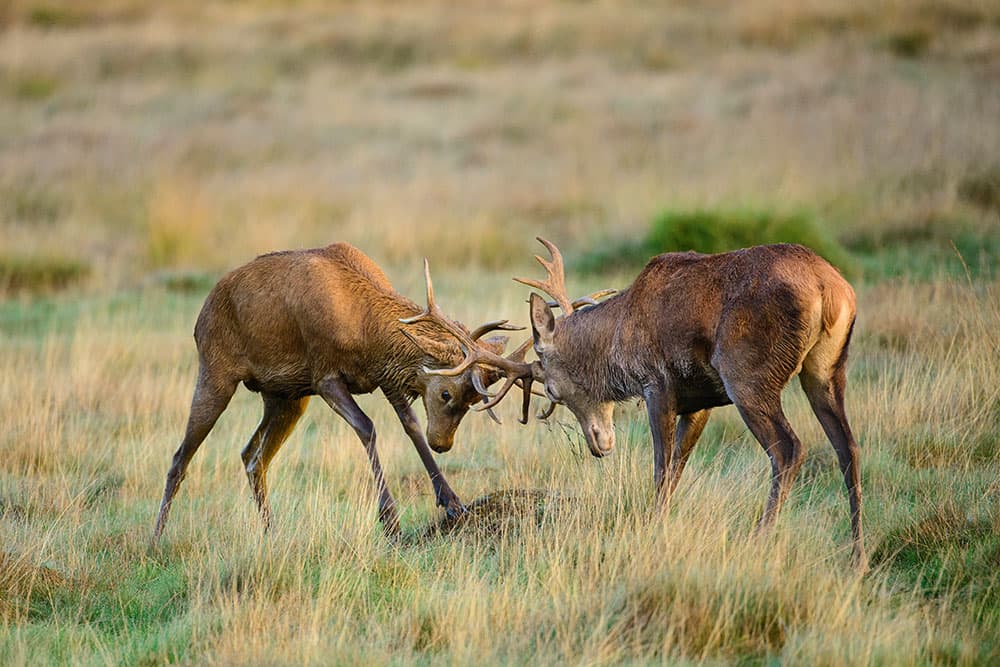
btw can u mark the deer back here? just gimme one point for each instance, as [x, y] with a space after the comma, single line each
[289, 318]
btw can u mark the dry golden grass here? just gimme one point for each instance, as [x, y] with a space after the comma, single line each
[93, 412]
[157, 145]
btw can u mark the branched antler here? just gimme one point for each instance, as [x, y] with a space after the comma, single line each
[513, 366]
[555, 284]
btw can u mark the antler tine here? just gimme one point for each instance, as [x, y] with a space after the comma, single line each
[433, 314]
[547, 412]
[477, 383]
[495, 325]
[534, 392]
[555, 284]
[589, 300]
[511, 381]
[519, 374]
[593, 299]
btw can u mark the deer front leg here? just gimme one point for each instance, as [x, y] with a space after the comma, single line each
[443, 493]
[336, 394]
[689, 428]
[662, 420]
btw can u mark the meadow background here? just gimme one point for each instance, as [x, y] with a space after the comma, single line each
[145, 148]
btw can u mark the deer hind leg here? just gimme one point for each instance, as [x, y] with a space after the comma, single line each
[338, 396]
[211, 396]
[825, 389]
[768, 424]
[280, 417]
[754, 371]
[689, 428]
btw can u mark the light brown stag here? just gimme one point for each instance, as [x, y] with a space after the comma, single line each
[327, 321]
[697, 331]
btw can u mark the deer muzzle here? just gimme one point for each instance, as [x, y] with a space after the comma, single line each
[601, 442]
[440, 442]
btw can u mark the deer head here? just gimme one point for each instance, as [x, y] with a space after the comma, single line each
[561, 385]
[449, 392]
[551, 344]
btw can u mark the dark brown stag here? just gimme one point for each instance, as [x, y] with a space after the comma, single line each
[326, 321]
[694, 332]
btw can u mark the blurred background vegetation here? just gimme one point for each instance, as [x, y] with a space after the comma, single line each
[158, 141]
[147, 147]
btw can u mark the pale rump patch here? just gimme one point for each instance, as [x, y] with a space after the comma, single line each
[822, 357]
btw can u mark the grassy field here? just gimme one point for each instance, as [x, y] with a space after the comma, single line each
[146, 148]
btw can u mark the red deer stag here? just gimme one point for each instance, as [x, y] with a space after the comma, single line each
[326, 321]
[694, 332]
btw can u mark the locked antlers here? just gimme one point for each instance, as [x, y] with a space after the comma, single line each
[513, 367]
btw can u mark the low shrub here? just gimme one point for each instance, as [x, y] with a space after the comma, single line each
[711, 231]
[40, 273]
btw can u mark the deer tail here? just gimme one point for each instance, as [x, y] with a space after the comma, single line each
[838, 300]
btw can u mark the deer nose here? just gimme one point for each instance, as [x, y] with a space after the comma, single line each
[442, 444]
[601, 442]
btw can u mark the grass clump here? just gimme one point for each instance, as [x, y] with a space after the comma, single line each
[53, 16]
[713, 231]
[40, 273]
[949, 552]
[909, 43]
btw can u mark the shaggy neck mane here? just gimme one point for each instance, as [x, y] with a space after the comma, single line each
[399, 367]
[601, 350]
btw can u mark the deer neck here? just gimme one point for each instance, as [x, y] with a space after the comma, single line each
[401, 369]
[600, 345]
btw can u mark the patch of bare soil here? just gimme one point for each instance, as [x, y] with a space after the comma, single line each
[498, 512]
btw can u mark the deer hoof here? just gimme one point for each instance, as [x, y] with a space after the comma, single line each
[454, 510]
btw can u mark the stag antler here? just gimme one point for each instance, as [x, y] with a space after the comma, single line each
[555, 284]
[518, 373]
[591, 299]
[496, 325]
[513, 366]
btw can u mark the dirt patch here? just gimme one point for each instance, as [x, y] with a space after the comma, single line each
[499, 512]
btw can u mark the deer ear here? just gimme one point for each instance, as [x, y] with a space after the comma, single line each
[543, 322]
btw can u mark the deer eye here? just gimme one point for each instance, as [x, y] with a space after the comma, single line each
[445, 396]
[553, 394]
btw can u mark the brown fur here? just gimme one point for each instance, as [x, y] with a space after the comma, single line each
[696, 331]
[322, 322]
